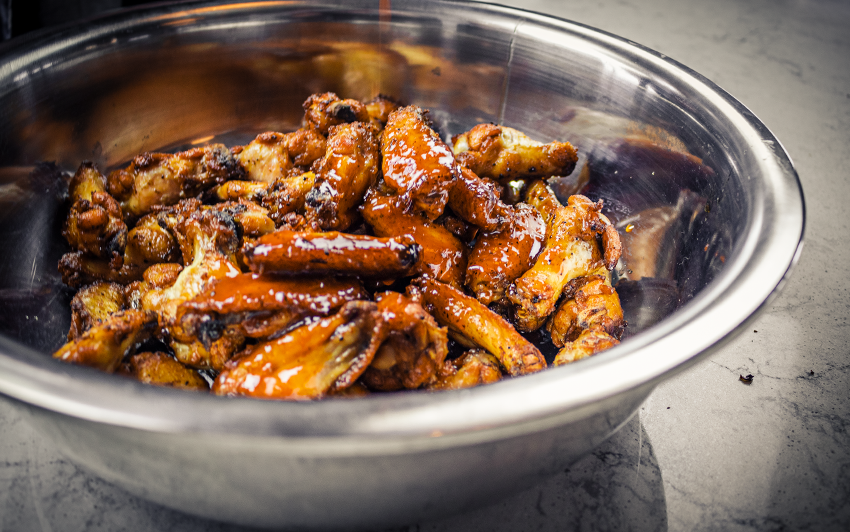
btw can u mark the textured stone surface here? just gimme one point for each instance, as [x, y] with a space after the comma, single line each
[707, 452]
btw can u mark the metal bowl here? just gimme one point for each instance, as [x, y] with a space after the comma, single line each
[176, 75]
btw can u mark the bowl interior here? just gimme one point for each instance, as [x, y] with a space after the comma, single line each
[693, 181]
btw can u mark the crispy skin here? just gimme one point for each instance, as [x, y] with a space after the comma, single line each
[414, 351]
[499, 257]
[104, 345]
[236, 190]
[571, 251]
[418, 166]
[150, 243]
[78, 269]
[503, 153]
[443, 256]
[476, 201]
[208, 240]
[260, 305]
[589, 342]
[164, 179]
[469, 319]
[290, 252]
[310, 361]
[593, 305]
[95, 222]
[253, 220]
[323, 111]
[288, 195]
[350, 166]
[93, 304]
[473, 368]
[161, 369]
[272, 156]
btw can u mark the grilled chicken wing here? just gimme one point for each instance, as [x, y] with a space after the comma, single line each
[442, 255]
[208, 240]
[105, 344]
[418, 166]
[591, 303]
[323, 111]
[93, 304]
[503, 153]
[291, 252]
[413, 353]
[349, 167]
[473, 368]
[589, 342]
[473, 322]
[95, 223]
[273, 156]
[310, 361]
[379, 109]
[164, 179]
[288, 195]
[476, 200]
[571, 251]
[162, 369]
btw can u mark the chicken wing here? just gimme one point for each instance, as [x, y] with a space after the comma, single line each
[476, 201]
[349, 167]
[93, 304]
[260, 305]
[291, 252]
[571, 251]
[310, 361]
[443, 256]
[591, 303]
[162, 369]
[589, 342]
[164, 179]
[418, 166]
[503, 153]
[473, 368]
[500, 256]
[323, 111]
[413, 353]
[95, 223]
[272, 156]
[472, 321]
[288, 195]
[105, 344]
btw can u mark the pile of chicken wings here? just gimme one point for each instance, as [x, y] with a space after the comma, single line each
[358, 254]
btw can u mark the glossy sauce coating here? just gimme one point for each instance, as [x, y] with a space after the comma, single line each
[594, 304]
[291, 252]
[417, 164]
[309, 361]
[499, 257]
[443, 255]
[483, 327]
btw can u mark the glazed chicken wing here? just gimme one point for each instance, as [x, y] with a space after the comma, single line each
[571, 251]
[291, 252]
[310, 361]
[503, 153]
[442, 254]
[418, 166]
[164, 179]
[349, 167]
[472, 321]
[415, 350]
[260, 305]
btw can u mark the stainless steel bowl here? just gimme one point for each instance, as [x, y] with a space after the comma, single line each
[174, 75]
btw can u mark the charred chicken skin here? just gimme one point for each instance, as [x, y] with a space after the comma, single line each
[358, 254]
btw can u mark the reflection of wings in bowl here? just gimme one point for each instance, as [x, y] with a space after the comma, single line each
[108, 92]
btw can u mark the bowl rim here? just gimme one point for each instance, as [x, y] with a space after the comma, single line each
[762, 261]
